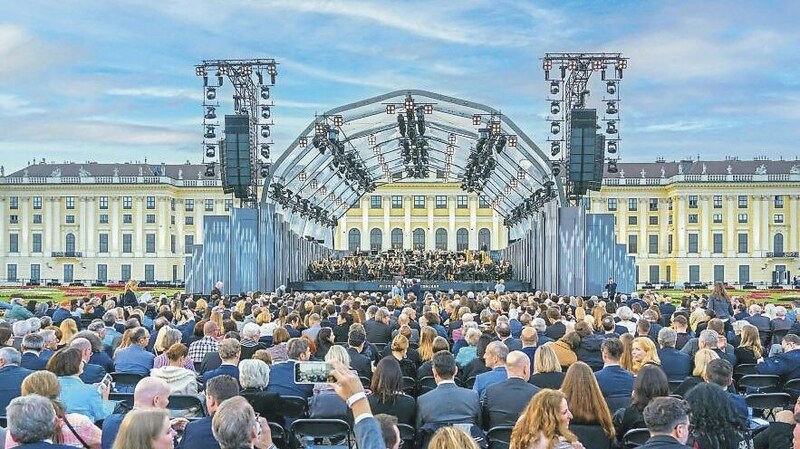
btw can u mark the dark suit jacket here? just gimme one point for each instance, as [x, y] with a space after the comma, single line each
[377, 332]
[102, 359]
[556, 330]
[281, 381]
[615, 381]
[92, 374]
[506, 400]
[676, 365]
[223, 370]
[448, 403]
[198, 435]
[512, 344]
[360, 363]
[32, 362]
[211, 361]
[11, 377]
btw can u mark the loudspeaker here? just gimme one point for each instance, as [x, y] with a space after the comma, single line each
[599, 163]
[583, 149]
[235, 157]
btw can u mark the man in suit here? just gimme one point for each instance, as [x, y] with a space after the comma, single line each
[541, 327]
[530, 342]
[667, 420]
[235, 424]
[495, 358]
[505, 400]
[378, 330]
[11, 376]
[92, 374]
[786, 365]
[281, 377]
[199, 434]
[447, 403]
[614, 381]
[676, 365]
[667, 309]
[761, 322]
[611, 287]
[558, 328]
[63, 312]
[503, 331]
[355, 346]
[31, 420]
[229, 352]
[31, 347]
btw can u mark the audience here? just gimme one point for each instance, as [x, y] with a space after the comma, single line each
[546, 369]
[31, 420]
[387, 392]
[145, 429]
[650, 383]
[447, 403]
[77, 396]
[585, 400]
[505, 400]
[544, 423]
[199, 434]
[180, 379]
[667, 420]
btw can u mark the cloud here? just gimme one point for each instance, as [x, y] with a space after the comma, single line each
[13, 105]
[103, 132]
[379, 80]
[158, 92]
[22, 53]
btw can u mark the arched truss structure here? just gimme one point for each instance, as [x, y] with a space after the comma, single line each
[372, 141]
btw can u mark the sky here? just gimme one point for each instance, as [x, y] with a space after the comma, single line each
[114, 81]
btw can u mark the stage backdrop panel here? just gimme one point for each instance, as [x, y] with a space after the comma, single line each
[571, 241]
[600, 247]
[216, 252]
[197, 270]
[243, 250]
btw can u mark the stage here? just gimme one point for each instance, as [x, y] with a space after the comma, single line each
[385, 286]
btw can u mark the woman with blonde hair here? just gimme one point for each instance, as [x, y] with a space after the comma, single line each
[449, 437]
[264, 319]
[72, 429]
[425, 349]
[586, 401]
[399, 349]
[544, 424]
[68, 330]
[145, 429]
[643, 352]
[129, 297]
[546, 368]
[749, 350]
[701, 360]
[626, 360]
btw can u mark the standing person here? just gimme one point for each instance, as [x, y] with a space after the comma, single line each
[129, 297]
[611, 287]
[720, 302]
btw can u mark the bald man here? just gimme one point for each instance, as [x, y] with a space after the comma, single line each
[150, 393]
[92, 373]
[530, 342]
[506, 400]
[209, 342]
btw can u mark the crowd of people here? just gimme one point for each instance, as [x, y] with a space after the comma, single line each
[428, 265]
[409, 369]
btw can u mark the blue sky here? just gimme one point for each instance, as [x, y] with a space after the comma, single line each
[114, 81]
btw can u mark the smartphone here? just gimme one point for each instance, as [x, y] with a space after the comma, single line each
[313, 373]
[105, 383]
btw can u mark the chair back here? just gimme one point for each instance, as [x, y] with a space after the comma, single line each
[125, 382]
[767, 402]
[635, 438]
[758, 383]
[187, 404]
[409, 386]
[470, 382]
[407, 435]
[319, 428]
[617, 402]
[294, 406]
[674, 384]
[499, 437]
[278, 435]
[793, 388]
[426, 384]
[592, 436]
[777, 336]
[127, 398]
[743, 369]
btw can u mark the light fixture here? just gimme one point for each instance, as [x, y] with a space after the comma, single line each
[572, 64]
[264, 170]
[555, 127]
[338, 120]
[314, 183]
[476, 119]
[409, 103]
[210, 134]
[211, 112]
[211, 93]
[547, 64]
[323, 190]
[597, 64]
[319, 128]
[428, 108]
[521, 174]
[508, 189]
[371, 139]
[512, 141]
[265, 131]
[611, 87]
[390, 109]
[555, 148]
[200, 71]
[376, 150]
[494, 126]
[303, 141]
[612, 166]
[338, 201]
[554, 87]
[265, 92]
[266, 112]
[611, 107]
[622, 64]
[612, 146]
[611, 127]
[555, 167]
[302, 176]
[555, 108]
[272, 69]
[211, 151]
[451, 139]
[451, 150]
[265, 151]
[513, 183]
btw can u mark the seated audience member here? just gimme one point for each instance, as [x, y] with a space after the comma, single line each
[11, 376]
[557, 328]
[180, 380]
[565, 348]
[77, 396]
[506, 400]
[399, 350]
[378, 329]
[313, 327]
[236, 426]
[503, 332]
[32, 345]
[145, 429]
[467, 353]
[613, 380]
[99, 356]
[167, 337]
[281, 379]
[478, 364]
[681, 326]
[749, 349]
[92, 373]
[718, 328]
[540, 326]
[251, 332]
[643, 352]
[198, 434]
[667, 420]
[31, 420]
[356, 341]
[325, 403]
[650, 383]
[324, 342]
[135, 358]
[545, 423]
[389, 431]
[71, 429]
[426, 369]
[720, 372]
[495, 358]
[209, 342]
[588, 350]
[586, 402]
[387, 392]
[676, 365]
[254, 378]
[714, 423]
[785, 365]
[701, 360]
[547, 371]
[447, 403]
[450, 437]
[50, 343]
[530, 342]
[229, 352]
[278, 350]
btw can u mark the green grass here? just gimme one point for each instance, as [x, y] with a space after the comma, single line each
[760, 296]
[58, 294]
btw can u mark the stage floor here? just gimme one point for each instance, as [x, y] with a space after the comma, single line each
[375, 286]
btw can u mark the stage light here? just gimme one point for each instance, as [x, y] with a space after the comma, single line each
[265, 151]
[272, 69]
[302, 176]
[556, 168]
[612, 146]
[376, 150]
[371, 139]
[597, 65]
[572, 64]
[210, 134]
[428, 108]
[495, 127]
[611, 87]
[381, 159]
[266, 112]
[409, 103]
[390, 109]
[611, 127]
[211, 113]
[555, 127]
[476, 119]
[555, 148]
[451, 150]
[323, 190]
[265, 131]
[338, 120]
[612, 166]
[200, 71]
[521, 174]
[210, 170]
[264, 170]
[451, 139]
[265, 92]
[319, 128]
[303, 141]
[211, 93]
[622, 64]
[513, 183]
[554, 87]
[611, 107]
[512, 141]
[338, 201]
[555, 108]
[211, 151]
[314, 183]
[547, 64]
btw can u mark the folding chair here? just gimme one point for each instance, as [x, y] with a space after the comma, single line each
[742, 370]
[294, 406]
[674, 384]
[758, 383]
[768, 402]
[617, 402]
[592, 436]
[186, 405]
[407, 435]
[278, 435]
[793, 388]
[409, 386]
[127, 398]
[499, 437]
[125, 382]
[426, 384]
[333, 429]
[635, 438]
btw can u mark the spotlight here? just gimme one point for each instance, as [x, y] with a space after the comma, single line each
[371, 139]
[494, 126]
[376, 150]
[555, 127]
[264, 170]
[611, 127]
[612, 146]
[512, 141]
[247, 70]
[272, 69]
[572, 64]
[622, 64]
[211, 93]
[390, 109]
[319, 128]
[451, 139]
[210, 134]
[409, 103]
[555, 148]
[200, 71]
[597, 65]
[265, 92]
[338, 120]
[611, 107]
[612, 166]
[265, 151]
[211, 113]
[211, 151]
[555, 108]
[476, 119]
[556, 168]
[303, 141]
[554, 87]
[547, 64]
[265, 131]
[611, 87]
[302, 177]
[210, 170]
[266, 112]
[428, 108]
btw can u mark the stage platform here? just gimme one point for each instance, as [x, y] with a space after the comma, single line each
[375, 286]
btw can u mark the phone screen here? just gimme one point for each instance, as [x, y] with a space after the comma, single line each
[312, 373]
